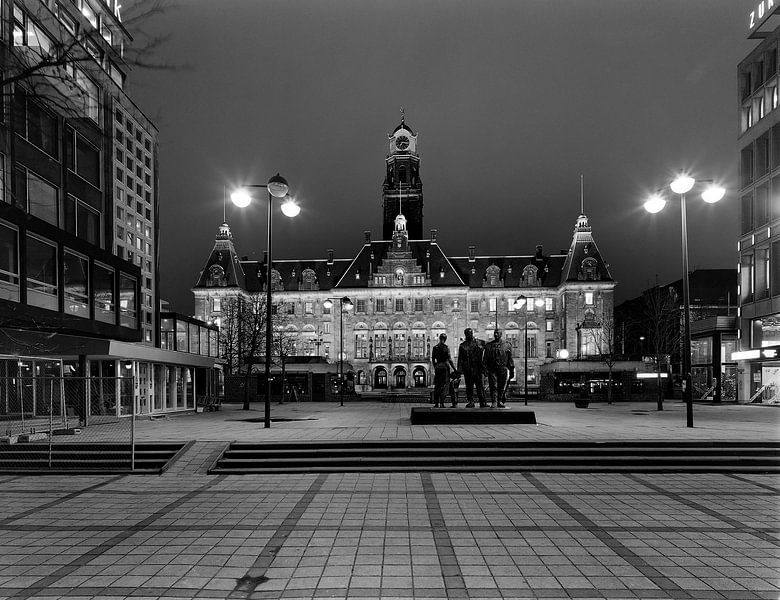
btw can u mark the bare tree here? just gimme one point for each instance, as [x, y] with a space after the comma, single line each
[230, 335]
[285, 340]
[605, 341]
[662, 323]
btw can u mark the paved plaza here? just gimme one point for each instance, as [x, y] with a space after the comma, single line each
[187, 534]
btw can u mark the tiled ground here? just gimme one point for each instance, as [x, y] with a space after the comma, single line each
[402, 535]
[187, 534]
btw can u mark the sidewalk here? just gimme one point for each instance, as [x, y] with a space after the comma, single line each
[555, 421]
[186, 534]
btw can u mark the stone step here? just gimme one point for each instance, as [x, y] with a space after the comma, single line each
[150, 457]
[405, 456]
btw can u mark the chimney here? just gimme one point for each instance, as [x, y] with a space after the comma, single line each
[538, 251]
[472, 253]
[244, 258]
[330, 256]
[368, 236]
[433, 235]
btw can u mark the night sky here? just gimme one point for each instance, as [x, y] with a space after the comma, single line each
[511, 101]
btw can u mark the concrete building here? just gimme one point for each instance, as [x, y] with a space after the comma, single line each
[758, 106]
[405, 290]
[78, 216]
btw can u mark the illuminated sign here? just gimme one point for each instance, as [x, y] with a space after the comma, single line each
[769, 353]
[761, 13]
[649, 375]
[746, 355]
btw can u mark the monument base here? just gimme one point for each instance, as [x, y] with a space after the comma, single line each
[422, 415]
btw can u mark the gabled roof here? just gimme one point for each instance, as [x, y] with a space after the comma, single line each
[510, 269]
[224, 255]
[291, 273]
[584, 247]
[426, 254]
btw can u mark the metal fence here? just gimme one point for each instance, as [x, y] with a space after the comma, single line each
[51, 422]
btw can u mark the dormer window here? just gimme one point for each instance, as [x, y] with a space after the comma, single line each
[309, 280]
[276, 280]
[589, 270]
[492, 276]
[216, 275]
[530, 275]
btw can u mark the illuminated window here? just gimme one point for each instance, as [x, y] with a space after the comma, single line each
[588, 298]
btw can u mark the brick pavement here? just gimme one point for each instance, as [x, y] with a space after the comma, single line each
[186, 534]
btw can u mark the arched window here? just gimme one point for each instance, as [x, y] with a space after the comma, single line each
[309, 280]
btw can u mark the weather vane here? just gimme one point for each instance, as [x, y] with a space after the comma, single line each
[402, 114]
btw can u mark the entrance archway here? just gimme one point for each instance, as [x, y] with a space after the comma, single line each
[399, 375]
[380, 378]
[420, 377]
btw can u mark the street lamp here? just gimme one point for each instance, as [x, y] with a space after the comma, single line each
[277, 188]
[520, 302]
[713, 193]
[344, 304]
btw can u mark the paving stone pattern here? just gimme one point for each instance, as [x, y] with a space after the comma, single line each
[399, 535]
[186, 534]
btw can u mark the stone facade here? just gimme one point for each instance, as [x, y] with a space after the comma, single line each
[404, 292]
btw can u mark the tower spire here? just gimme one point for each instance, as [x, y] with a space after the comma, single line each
[582, 195]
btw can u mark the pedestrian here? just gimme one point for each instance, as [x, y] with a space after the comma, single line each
[470, 364]
[500, 368]
[442, 362]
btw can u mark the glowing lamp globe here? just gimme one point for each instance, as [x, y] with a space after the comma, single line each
[241, 198]
[713, 194]
[655, 204]
[682, 184]
[290, 208]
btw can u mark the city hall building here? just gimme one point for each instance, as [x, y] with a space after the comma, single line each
[405, 290]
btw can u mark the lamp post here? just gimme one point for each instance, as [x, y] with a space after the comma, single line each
[344, 304]
[713, 193]
[520, 302]
[277, 188]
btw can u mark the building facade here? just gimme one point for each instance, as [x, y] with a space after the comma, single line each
[78, 209]
[404, 291]
[759, 237]
[650, 328]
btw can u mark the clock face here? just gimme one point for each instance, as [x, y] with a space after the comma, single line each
[402, 142]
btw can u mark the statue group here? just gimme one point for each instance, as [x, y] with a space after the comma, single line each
[475, 360]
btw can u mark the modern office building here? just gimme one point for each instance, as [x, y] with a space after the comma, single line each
[404, 290]
[759, 237]
[78, 215]
[650, 327]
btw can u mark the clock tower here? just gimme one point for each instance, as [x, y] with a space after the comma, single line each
[402, 189]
